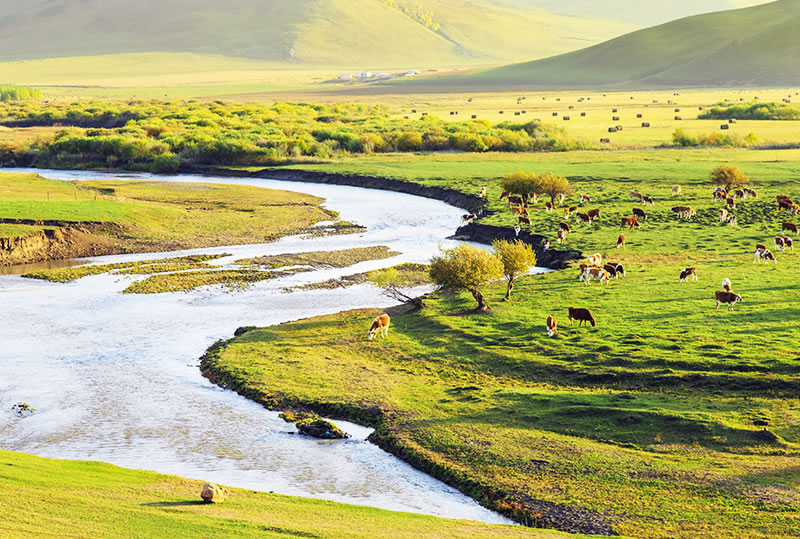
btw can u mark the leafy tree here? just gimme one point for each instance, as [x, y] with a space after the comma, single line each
[728, 177]
[517, 258]
[520, 183]
[552, 185]
[392, 282]
[466, 268]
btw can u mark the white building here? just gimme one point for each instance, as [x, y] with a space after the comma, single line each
[412, 72]
[346, 76]
[365, 75]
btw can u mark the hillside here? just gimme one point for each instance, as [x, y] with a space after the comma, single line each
[756, 46]
[368, 33]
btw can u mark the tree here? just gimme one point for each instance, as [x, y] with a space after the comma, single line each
[466, 268]
[517, 258]
[392, 282]
[552, 185]
[520, 183]
[728, 177]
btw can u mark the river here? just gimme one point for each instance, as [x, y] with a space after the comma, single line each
[115, 377]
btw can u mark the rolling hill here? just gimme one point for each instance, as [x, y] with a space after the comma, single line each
[756, 46]
[368, 33]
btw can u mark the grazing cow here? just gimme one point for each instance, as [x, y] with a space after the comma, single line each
[483, 192]
[515, 201]
[379, 325]
[564, 226]
[676, 190]
[548, 206]
[684, 211]
[630, 222]
[785, 205]
[688, 273]
[614, 270]
[546, 245]
[727, 297]
[468, 217]
[533, 198]
[593, 214]
[582, 270]
[516, 230]
[648, 200]
[584, 198]
[731, 202]
[723, 296]
[760, 248]
[787, 241]
[636, 195]
[581, 315]
[722, 194]
[779, 243]
[783, 198]
[524, 220]
[726, 285]
[621, 241]
[723, 215]
[552, 326]
[519, 210]
[568, 211]
[638, 212]
[750, 192]
[732, 220]
[505, 194]
[595, 259]
[739, 193]
[791, 227]
[582, 218]
[561, 236]
[767, 255]
[561, 197]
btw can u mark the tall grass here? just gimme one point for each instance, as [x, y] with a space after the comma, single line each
[11, 92]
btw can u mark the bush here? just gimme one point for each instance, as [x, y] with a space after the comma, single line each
[752, 111]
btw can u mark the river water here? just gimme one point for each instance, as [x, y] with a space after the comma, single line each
[115, 377]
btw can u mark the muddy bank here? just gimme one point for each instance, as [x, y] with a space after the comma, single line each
[55, 244]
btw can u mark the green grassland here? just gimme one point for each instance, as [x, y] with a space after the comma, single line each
[682, 416]
[101, 500]
[153, 215]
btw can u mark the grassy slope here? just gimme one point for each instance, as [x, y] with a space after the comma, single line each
[164, 215]
[100, 500]
[753, 46]
[306, 31]
[659, 407]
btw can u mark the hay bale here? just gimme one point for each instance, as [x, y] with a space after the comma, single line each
[678, 118]
[474, 116]
[612, 129]
[645, 124]
[605, 140]
[639, 115]
[677, 110]
[566, 118]
[724, 126]
[615, 118]
[555, 114]
[583, 114]
[732, 121]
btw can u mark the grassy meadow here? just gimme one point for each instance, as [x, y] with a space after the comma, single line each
[100, 500]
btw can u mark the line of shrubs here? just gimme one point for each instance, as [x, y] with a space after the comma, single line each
[163, 135]
[752, 111]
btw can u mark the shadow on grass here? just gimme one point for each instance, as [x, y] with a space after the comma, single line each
[175, 504]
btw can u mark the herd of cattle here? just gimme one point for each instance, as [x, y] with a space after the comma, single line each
[595, 268]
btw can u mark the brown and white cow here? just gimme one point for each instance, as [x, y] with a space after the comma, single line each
[593, 214]
[614, 270]
[731, 202]
[636, 195]
[639, 213]
[766, 256]
[564, 226]
[552, 326]
[726, 285]
[546, 245]
[676, 190]
[504, 194]
[524, 220]
[630, 222]
[732, 220]
[561, 198]
[379, 325]
[719, 194]
[515, 201]
[750, 192]
[785, 205]
[468, 217]
[583, 197]
[788, 243]
[519, 210]
[688, 273]
[739, 193]
[723, 215]
[581, 315]
[685, 212]
[621, 241]
[791, 227]
[582, 270]
[779, 243]
[596, 273]
[533, 198]
[582, 218]
[648, 200]
[483, 192]
[561, 236]
[595, 259]
[548, 206]
[730, 298]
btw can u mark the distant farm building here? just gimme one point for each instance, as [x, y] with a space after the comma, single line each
[365, 75]
[412, 72]
[345, 76]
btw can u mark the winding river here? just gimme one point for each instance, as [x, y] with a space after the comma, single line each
[115, 377]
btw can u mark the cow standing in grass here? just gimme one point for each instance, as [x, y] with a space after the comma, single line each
[379, 326]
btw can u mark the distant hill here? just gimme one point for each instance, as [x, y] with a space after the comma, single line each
[757, 46]
[372, 33]
[638, 11]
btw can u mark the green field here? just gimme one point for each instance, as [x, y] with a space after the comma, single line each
[100, 500]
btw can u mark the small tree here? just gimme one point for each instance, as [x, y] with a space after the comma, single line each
[552, 185]
[728, 177]
[466, 268]
[520, 183]
[392, 282]
[517, 258]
